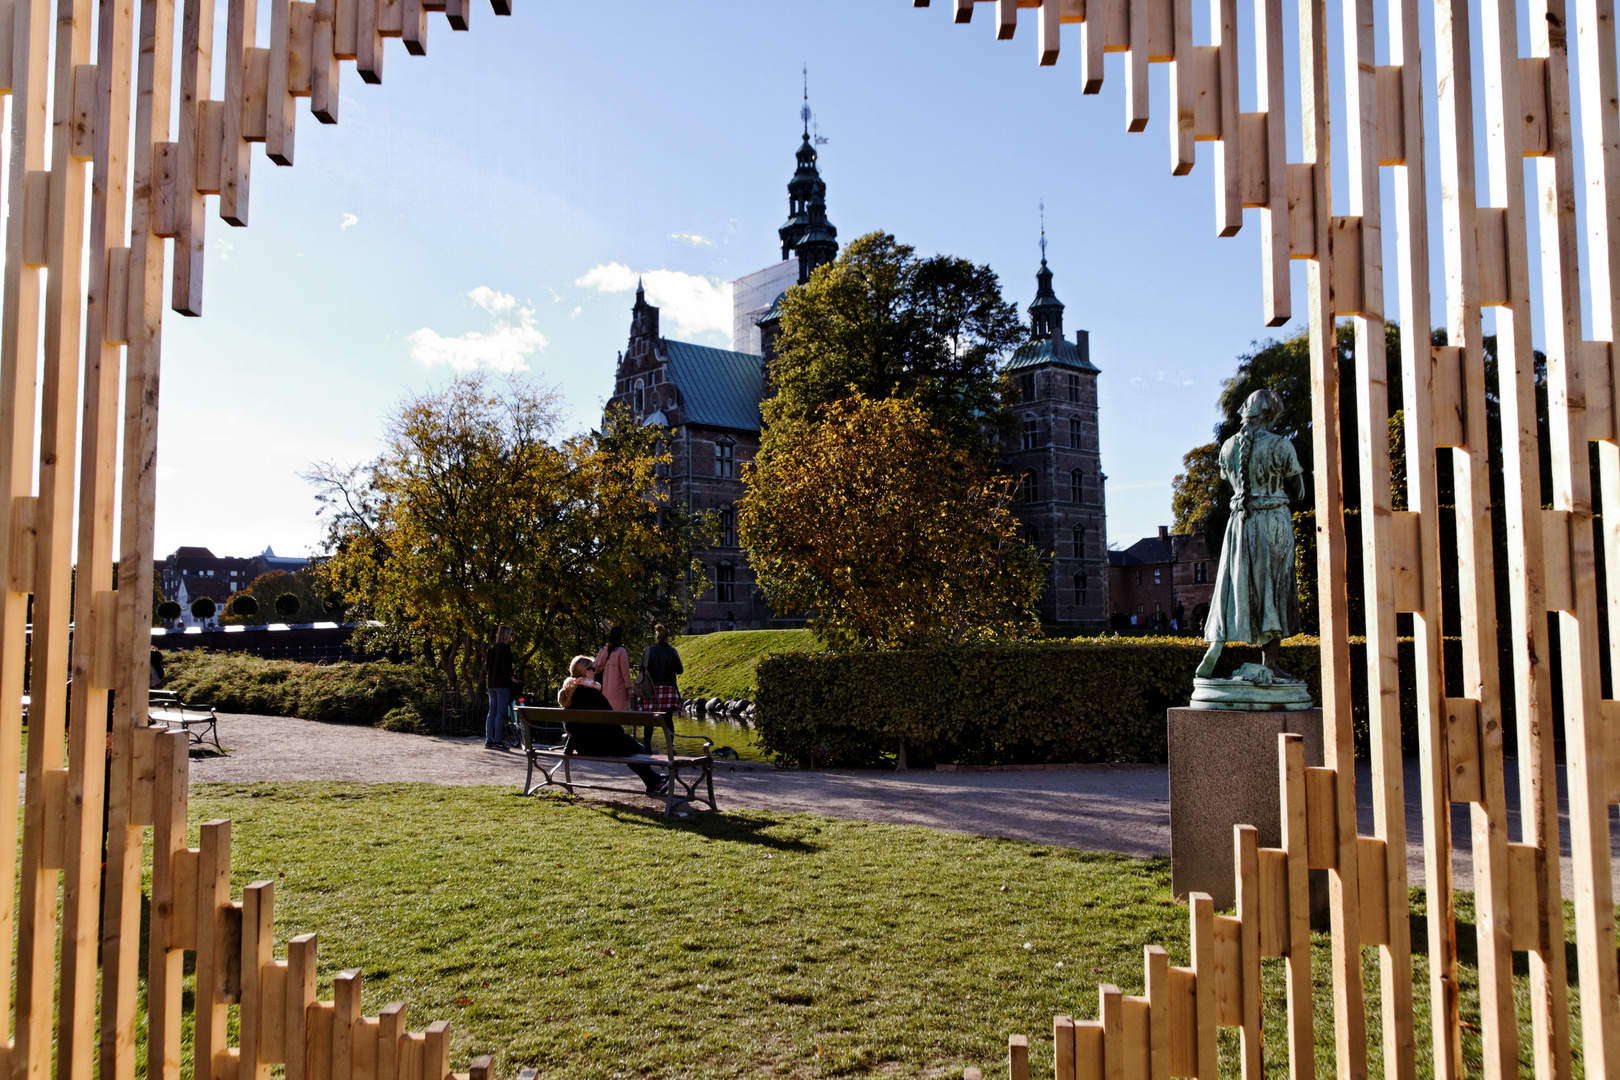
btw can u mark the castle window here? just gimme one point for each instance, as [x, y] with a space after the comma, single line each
[1139, 581]
[1200, 573]
[1074, 388]
[728, 527]
[725, 583]
[1079, 541]
[1156, 577]
[1029, 435]
[641, 398]
[723, 459]
[1080, 583]
[1074, 433]
[1077, 485]
[1026, 386]
[1031, 486]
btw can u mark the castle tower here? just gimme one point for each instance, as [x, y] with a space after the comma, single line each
[807, 233]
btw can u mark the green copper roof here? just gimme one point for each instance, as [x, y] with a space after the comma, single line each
[719, 388]
[1060, 351]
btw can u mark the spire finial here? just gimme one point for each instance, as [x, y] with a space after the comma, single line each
[804, 110]
[1043, 231]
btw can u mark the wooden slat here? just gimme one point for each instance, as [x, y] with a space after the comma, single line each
[364, 1040]
[346, 991]
[1560, 590]
[1372, 868]
[280, 114]
[1183, 1013]
[1348, 294]
[301, 49]
[1593, 361]
[164, 955]
[318, 1044]
[1254, 182]
[255, 94]
[436, 1051]
[1206, 80]
[1301, 1017]
[300, 1001]
[1228, 972]
[1391, 110]
[190, 219]
[390, 14]
[1229, 150]
[1273, 902]
[1156, 980]
[1135, 1039]
[1017, 1060]
[1533, 110]
[100, 672]
[457, 13]
[241, 103]
[1490, 227]
[1446, 396]
[210, 147]
[272, 1042]
[1405, 530]
[323, 63]
[183, 925]
[1246, 858]
[1136, 64]
[24, 537]
[1462, 749]
[1184, 88]
[1524, 900]
[390, 1030]
[83, 131]
[1088, 1050]
[36, 217]
[1205, 965]
[1301, 211]
[368, 38]
[1611, 730]
[116, 328]
[1111, 1014]
[1276, 235]
[54, 795]
[258, 943]
[345, 29]
[1063, 1048]
[8, 19]
[210, 1009]
[413, 26]
[1322, 819]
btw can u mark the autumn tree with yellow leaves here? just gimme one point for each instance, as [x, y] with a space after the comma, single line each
[870, 520]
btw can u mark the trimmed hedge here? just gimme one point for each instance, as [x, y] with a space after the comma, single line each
[1080, 700]
[375, 693]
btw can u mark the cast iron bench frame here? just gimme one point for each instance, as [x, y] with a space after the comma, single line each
[197, 720]
[560, 758]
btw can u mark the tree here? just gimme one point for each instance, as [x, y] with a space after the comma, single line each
[243, 605]
[883, 323]
[169, 610]
[202, 608]
[475, 515]
[264, 590]
[887, 533]
[1199, 490]
[287, 605]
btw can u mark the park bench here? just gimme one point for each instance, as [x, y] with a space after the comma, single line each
[198, 721]
[545, 745]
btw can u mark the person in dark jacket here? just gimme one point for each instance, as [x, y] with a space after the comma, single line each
[499, 670]
[582, 691]
[662, 664]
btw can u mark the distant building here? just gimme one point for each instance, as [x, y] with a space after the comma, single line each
[1162, 580]
[1055, 453]
[191, 572]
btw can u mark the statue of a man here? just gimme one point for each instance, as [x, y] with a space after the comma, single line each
[1255, 598]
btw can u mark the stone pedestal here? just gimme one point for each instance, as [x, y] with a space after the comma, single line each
[1223, 772]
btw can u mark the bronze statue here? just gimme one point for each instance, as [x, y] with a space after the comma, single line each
[1255, 596]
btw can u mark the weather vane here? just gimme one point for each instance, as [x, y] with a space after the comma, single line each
[1043, 230]
[811, 130]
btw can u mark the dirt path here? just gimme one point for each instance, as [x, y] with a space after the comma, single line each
[1120, 808]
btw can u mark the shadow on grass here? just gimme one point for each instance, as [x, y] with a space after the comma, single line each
[725, 828]
[1468, 949]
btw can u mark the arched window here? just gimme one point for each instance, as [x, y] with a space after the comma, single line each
[728, 527]
[641, 397]
[1031, 486]
[723, 458]
[1081, 581]
[1079, 533]
[725, 583]
[1074, 433]
[1029, 434]
[1077, 485]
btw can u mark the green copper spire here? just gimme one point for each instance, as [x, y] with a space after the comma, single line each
[807, 233]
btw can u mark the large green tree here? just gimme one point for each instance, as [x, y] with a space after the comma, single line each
[884, 323]
[869, 519]
[476, 514]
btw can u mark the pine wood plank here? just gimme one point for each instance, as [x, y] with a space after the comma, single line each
[191, 222]
[1156, 980]
[1229, 149]
[1301, 1033]
[258, 944]
[236, 156]
[213, 896]
[1111, 1014]
[323, 63]
[1063, 1048]
[1201, 915]
[1246, 873]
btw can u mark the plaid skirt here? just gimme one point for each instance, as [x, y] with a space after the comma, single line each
[664, 697]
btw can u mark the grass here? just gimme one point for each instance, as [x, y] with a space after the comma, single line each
[593, 941]
[722, 664]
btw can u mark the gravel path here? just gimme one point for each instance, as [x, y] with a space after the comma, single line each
[1119, 808]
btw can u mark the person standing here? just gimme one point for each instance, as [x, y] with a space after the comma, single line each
[498, 675]
[662, 664]
[613, 670]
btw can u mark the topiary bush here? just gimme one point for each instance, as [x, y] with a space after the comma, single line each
[287, 605]
[1081, 700]
[244, 606]
[342, 693]
[202, 608]
[169, 610]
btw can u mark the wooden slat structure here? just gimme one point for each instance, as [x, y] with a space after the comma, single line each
[1497, 105]
[131, 127]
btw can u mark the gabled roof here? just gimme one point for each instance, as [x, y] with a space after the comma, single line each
[1149, 549]
[1060, 351]
[719, 388]
[192, 553]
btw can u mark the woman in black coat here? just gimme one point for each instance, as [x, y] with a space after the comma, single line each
[582, 691]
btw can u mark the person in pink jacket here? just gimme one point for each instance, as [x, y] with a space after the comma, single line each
[613, 670]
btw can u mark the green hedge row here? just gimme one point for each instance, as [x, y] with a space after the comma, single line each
[1080, 700]
[399, 697]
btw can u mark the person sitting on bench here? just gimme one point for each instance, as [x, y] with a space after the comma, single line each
[581, 691]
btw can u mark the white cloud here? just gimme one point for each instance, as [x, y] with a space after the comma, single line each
[502, 349]
[691, 239]
[694, 303]
[349, 222]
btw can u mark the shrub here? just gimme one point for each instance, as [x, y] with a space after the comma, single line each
[202, 608]
[405, 720]
[344, 693]
[1088, 699]
[244, 605]
[287, 605]
[169, 610]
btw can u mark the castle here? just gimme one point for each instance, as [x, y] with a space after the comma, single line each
[708, 399]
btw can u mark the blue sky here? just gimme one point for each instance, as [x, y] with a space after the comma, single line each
[487, 202]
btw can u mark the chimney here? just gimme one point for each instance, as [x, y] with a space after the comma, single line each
[1164, 532]
[1082, 341]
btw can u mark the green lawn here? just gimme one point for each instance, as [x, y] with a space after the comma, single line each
[591, 941]
[722, 664]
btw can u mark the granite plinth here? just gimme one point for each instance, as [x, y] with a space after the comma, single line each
[1223, 772]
